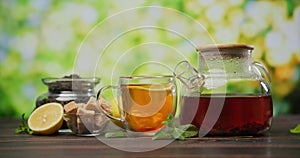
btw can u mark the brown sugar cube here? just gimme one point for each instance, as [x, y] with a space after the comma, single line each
[82, 111]
[85, 120]
[105, 106]
[71, 120]
[81, 129]
[71, 107]
[80, 105]
[100, 120]
[92, 105]
[92, 100]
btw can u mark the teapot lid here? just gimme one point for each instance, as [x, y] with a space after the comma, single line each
[211, 47]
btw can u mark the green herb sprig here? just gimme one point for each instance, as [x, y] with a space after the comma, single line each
[179, 132]
[295, 130]
[23, 128]
[117, 134]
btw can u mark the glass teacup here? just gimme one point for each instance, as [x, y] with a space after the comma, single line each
[144, 102]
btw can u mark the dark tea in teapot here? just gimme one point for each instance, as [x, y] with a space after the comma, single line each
[240, 115]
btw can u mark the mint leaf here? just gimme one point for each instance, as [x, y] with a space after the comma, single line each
[189, 130]
[161, 134]
[169, 131]
[118, 134]
[23, 128]
[169, 121]
[295, 130]
[179, 132]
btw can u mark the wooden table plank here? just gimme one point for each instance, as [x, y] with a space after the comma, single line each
[277, 143]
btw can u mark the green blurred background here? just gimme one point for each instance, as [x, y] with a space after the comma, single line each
[40, 38]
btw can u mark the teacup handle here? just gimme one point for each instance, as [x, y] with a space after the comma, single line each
[98, 97]
[262, 70]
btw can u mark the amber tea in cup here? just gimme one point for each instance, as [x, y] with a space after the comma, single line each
[144, 102]
[145, 106]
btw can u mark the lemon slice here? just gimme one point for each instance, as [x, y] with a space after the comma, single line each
[115, 113]
[151, 87]
[46, 119]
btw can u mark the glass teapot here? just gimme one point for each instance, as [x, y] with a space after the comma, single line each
[228, 94]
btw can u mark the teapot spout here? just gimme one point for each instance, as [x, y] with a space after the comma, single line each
[189, 76]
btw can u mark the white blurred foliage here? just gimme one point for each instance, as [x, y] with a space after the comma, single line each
[259, 13]
[235, 2]
[225, 34]
[274, 39]
[297, 16]
[26, 44]
[291, 35]
[215, 13]
[58, 29]
[207, 3]
[297, 21]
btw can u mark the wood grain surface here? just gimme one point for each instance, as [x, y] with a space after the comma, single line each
[279, 142]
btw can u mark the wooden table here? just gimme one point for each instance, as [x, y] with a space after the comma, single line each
[278, 143]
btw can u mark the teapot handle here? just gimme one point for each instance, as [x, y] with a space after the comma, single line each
[262, 71]
[188, 75]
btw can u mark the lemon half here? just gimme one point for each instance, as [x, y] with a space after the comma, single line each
[46, 119]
